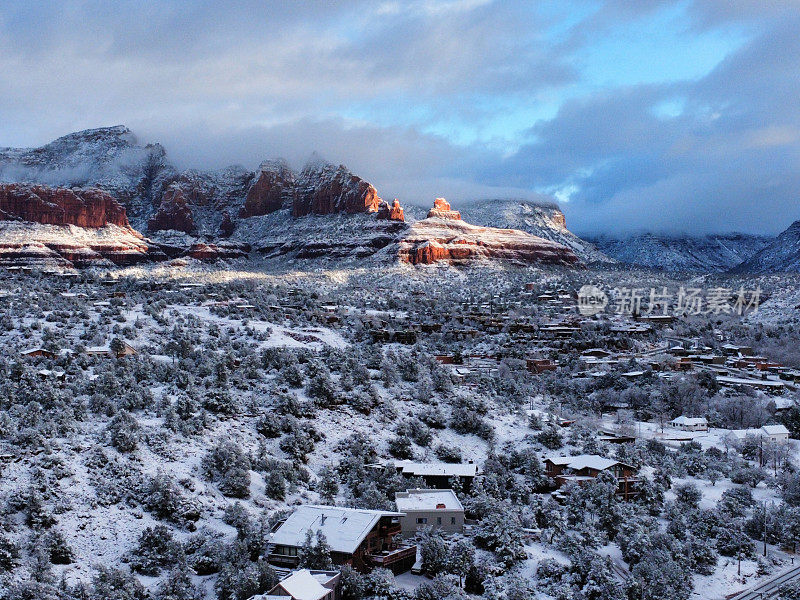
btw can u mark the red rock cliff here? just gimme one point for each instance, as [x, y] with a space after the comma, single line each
[60, 206]
[441, 209]
[273, 189]
[174, 212]
[325, 189]
[443, 236]
[391, 213]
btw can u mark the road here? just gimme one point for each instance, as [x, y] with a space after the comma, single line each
[768, 589]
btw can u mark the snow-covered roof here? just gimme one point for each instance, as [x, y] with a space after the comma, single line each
[753, 382]
[427, 500]
[684, 420]
[98, 349]
[443, 469]
[302, 585]
[344, 528]
[775, 430]
[48, 373]
[584, 461]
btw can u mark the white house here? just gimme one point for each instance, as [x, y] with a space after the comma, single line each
[430, 508]
[772, 433]
[775, 433]
[690, 423]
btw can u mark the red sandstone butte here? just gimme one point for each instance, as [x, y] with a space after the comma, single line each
[325, 190]
[390, 213]
[89, 207]
[174, 212]
[443, 236]
[273, 188]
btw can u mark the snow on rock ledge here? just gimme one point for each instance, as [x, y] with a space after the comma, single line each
[443, 236]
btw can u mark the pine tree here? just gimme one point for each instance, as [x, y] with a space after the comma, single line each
[315, 553]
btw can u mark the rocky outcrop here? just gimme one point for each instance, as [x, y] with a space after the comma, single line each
[227, 227]
[541, 218]
[212, 252]
[108, 158]
[441, 209]
[48, 227]
[391, 213]
[274, 188]
[443, 236]
[160, 198]
[26, 244]
[174, 212]
[60, 206]
[325, 189]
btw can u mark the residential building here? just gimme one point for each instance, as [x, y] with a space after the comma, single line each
[586, 467]
[305, 585]
[440, 509]
[363, 539]
[36, 352]
[439, 475]
[775, 433]
[127, 350]
[690, 423]
[540, 365]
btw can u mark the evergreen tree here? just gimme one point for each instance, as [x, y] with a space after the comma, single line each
[315, 553]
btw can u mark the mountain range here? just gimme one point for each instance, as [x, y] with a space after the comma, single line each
[51, 198]
[714, 253]
[323, 211]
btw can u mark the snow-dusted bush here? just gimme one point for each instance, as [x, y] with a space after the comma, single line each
[228, 466]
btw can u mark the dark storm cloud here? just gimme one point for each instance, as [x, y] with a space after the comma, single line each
[470, 99]
[728, 161]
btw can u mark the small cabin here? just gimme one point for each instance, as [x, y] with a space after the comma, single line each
[685, 423]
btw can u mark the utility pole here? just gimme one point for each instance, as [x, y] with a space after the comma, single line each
[765, 528]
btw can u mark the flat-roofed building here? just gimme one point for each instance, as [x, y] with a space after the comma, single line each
[690, 423]
[440, 509]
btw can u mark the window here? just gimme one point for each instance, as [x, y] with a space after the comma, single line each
[438, 520]
[452, 520]
[422, 521]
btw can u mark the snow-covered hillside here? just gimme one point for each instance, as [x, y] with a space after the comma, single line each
[781, 255]
[538, 218]
[707, 254]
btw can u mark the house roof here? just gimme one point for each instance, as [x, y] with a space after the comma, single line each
[344, 528]
[775, 430]
[584, 461]
[427, 500]
[302, 585]
[442, 469]
[684, 420]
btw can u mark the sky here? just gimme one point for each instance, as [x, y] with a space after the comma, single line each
[635, 115]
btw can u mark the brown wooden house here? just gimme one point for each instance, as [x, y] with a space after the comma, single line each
[586, 467]
[363, 539]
